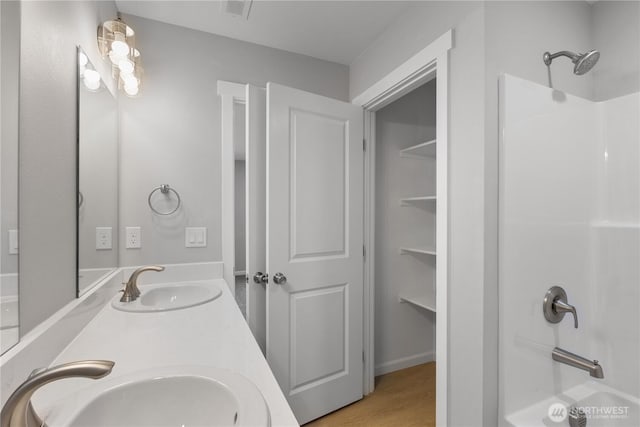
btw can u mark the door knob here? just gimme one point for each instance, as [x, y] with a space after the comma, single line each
[279, 279]
[260, 277]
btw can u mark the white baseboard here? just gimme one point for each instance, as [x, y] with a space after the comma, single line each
[404, 362]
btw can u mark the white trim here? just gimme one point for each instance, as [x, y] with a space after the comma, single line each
[235, 90]
[431, 62]
[406, 77]
[442, 239]
[230, 93]
[404, 362]
[368, 303]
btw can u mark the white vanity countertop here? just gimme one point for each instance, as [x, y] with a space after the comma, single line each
[213, 334]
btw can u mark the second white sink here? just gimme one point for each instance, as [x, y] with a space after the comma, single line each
[172, 396]
[170, 296]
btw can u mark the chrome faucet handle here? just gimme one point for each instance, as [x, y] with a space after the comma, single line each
[18, 411]
[555, 306]
[563, 307]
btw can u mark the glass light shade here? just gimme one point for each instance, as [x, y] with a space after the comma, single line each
[126, 66]
[92, 76]
[117, 37]
[82, 59]
[129, 80]
[91, 85]
[115, 59]
[131, 90]
[91, 79]
[120, 48]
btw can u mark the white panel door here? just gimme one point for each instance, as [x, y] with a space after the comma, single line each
[315, 239]
[256, 201]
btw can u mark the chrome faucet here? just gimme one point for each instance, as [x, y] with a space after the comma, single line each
[555, 306]
[568, 358]
[18, 411]
[131, 291]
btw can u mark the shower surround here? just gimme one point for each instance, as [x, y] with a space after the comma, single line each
[569, 216]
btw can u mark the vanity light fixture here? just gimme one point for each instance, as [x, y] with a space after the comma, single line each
[116, 41]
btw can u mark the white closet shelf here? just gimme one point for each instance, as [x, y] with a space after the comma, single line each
[426, 300]
[423, 150]
[410, 200]
[423, 251]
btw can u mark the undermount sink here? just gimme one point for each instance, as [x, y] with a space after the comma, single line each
[170, 296]
[178, 396]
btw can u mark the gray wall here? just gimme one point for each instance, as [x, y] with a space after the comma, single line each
[171, 132]
[9, 80]
[410, 33]
[403, 331]
[617, 36]
[50, 33]
[516, 40]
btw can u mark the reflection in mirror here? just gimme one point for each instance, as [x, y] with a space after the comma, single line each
[97, 177]
[9, 77]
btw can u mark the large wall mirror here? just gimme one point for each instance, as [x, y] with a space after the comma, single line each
[97, 177]
[9, 93]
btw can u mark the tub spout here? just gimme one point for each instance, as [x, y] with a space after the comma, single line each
[571, 359]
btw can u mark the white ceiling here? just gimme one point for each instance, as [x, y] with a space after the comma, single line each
[336, 31]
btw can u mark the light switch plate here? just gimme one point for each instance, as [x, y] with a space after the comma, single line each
[195, 237]
[13, 242]
[104, 240]
[133, 238]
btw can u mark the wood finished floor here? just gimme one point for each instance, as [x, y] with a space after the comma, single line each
[405, 398]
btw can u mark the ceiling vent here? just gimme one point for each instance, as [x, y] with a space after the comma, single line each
[236, 8]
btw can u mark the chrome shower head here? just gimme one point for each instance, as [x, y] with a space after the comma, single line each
[582, 62]
[585, 62]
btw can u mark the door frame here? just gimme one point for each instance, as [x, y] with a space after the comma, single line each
[230, 94]
[431, 62]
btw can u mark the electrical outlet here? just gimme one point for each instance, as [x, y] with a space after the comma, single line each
[134, 238]
[103, 238]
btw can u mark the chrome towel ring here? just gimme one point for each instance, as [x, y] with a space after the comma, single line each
[164, 189]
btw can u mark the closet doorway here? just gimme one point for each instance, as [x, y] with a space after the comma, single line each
[417, 276]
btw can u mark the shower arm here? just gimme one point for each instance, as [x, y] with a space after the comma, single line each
[548, 57]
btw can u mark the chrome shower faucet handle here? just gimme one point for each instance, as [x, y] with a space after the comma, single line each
[555, 306]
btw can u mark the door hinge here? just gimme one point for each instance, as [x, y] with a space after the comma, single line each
[363, 357]
[364, 252]
[364, 144]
